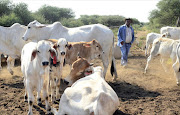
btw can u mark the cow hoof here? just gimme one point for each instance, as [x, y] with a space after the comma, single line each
[114, 79]
[40, 104]
[50, 113]
[25, 98]
[30, 113]
[178, 84]
[57, 99]
[11, 72]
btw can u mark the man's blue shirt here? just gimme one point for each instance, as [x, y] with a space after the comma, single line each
[122, 35]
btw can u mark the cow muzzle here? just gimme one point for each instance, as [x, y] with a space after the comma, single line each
[46, 63]
[63, 53]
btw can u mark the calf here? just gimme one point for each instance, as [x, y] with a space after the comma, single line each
[56, 66]
[149, 40]
[35, 69]
[89, 50]
[79, 69]
[90, 95]
[166, 48]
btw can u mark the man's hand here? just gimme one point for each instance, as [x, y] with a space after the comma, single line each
[122, 42]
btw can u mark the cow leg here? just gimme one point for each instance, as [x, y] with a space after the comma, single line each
[105, 64]
[45, 95]
[0, 62]
[9, 64]
[52, 86]
[25, 95]
[177, 73]
[163, 64]
[148, 60]
[58, 81]
[38, 94]
[176, 69]
[30, 97]
[147, 49]
[57, 89]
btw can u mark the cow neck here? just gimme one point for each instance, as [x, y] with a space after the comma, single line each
[44, 33]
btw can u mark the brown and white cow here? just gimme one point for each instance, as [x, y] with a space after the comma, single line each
[80, 68]
[56, 66]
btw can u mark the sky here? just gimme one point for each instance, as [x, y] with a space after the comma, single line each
[139, 9]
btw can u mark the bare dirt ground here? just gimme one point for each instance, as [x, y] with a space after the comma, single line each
[154, 93]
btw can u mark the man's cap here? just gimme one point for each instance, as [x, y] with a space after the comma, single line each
[128, 19]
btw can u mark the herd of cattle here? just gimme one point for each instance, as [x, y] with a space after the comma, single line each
[45, 49]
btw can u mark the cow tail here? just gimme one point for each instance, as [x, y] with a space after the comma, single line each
[112, 70]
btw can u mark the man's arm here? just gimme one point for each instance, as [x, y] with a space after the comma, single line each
[119, 35]
[132, 36]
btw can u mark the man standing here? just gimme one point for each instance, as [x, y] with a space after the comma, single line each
[125, 39]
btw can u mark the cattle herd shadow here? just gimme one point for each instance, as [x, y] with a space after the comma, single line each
[126, 91]
[18, 84]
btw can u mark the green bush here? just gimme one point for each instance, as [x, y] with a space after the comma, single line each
[8, 20]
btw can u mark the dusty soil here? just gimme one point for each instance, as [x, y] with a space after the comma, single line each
[154, 93]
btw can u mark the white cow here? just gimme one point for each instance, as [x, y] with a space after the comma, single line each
[37, 31]
[166, 48]
[35, 69]
[11, 43]
[171, 32]
[90, 95]
[149, 40]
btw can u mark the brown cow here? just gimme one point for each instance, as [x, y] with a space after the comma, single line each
[89, 50]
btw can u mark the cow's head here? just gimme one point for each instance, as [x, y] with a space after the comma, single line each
[80, 68]
[61, 47]
[42, 52]
[32, 30]
[96, 49]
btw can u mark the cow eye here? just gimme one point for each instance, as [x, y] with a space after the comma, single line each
[29, 27]
[38, 51]
[97, 46]
[58, 46]
[65, 45]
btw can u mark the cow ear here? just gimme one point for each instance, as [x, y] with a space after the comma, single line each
[69, 46]
[55, 46]
[53, 53]
[33, 55]
[39, 25]
[93, 41]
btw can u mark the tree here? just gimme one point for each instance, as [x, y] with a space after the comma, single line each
[5, 7]
[8, 20]
[167, 13]
[21, 10]
[53, 14]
